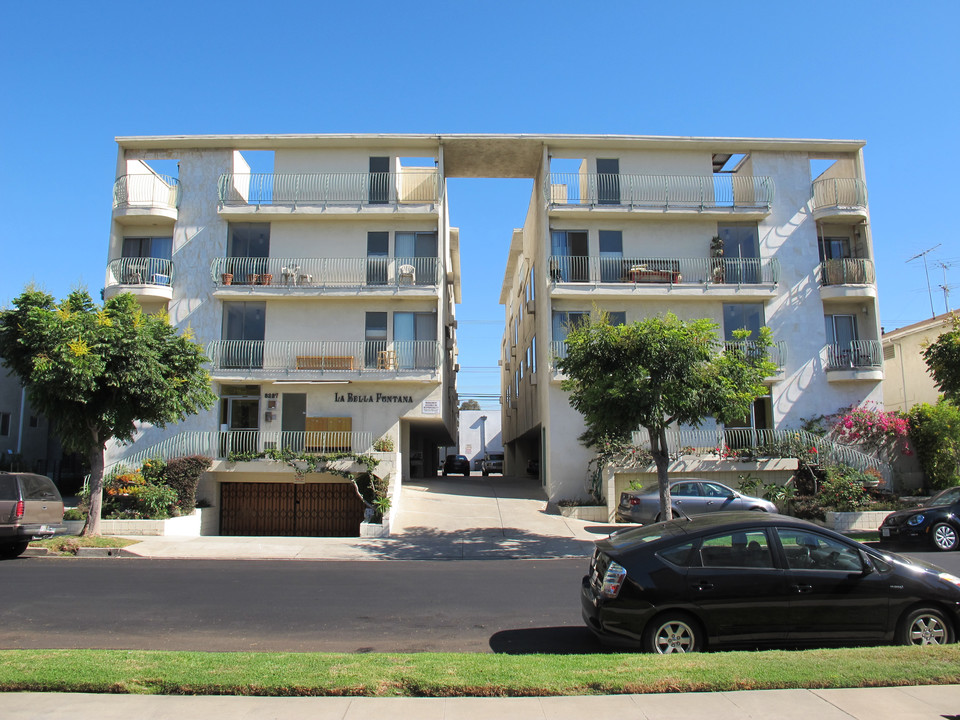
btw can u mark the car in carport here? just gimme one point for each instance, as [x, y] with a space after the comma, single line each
[456, 464]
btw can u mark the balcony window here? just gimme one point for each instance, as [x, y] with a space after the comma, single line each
[741, 252]
[415, 340]
[378, 252]
[379, 181]
[376, 336]
[249, 246]
[417, 250]
[146, 260]
[611, 255]
[570, 250]
[608, 181]
[239, 414]
[742, 316]
[244, 324]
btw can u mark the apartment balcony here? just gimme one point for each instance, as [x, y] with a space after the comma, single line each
[148, 279]
[839, 198]
[692, 278]
[777, 354]
[845, 278]
[146, 199]
[412, 192]
[857, 360]
[722, 195]
[325, 360]
[238, 277]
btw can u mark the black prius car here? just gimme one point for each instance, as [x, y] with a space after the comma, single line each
[936, 521]
[753, 579]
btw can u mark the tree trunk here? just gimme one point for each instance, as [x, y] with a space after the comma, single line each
[661, 456]
[95, 456]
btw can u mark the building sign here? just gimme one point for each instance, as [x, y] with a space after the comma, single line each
[378, 398]
[430, 407]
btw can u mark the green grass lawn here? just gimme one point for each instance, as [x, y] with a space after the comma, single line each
[478, 674]
[68, 544]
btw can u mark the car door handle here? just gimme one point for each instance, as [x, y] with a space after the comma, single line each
[702, 585]
[802, 588]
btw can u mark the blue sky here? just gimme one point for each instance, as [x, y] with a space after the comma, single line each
[79, 74]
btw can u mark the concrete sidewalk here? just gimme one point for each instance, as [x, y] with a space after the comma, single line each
[907, 703]
[473, 518]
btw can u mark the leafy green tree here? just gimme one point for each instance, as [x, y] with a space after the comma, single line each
[470, 405]
[943, 359]
[935, 435]
[97, 371]
[656, 373]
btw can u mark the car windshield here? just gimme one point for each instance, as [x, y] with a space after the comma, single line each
[947, 497]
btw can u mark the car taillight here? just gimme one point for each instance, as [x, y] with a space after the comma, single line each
[613, 580]
[634, 501]
[19, 509]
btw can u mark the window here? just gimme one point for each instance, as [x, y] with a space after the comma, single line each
[418, 249]
[617, 317]
[690, 489]
[4, 424]
[244, 324]
[564, 322]
[375, 333]
[34, 421]
[741, 252]
[737, 549]
[415, 339]
[812, 551]
[841, 341]
[608, 181]
[611, 255]
[249, 246]
[146, 260]
[681, 555]
[834, 248]
[148, 247]
[379, 183]
[569, 250]
[742, 316]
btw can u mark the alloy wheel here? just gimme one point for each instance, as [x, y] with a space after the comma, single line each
[674, 637]
[927, 630]
[944, 537]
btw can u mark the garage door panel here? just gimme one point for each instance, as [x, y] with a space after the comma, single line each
[288, 509]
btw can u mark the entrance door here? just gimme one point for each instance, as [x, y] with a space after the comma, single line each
[379, 185]
[608, 181]
[741, 252]
[378, 250]
[240, 415]
[293, 421]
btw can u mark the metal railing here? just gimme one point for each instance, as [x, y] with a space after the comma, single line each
[839, 193]
[847, 271]
[768, 443]
[411, 185]
[326, 272]
[663, 270]
[777, 352]
[139, 271]
[219, 445]
[697, 192]
[313, 357]
[147, 191]
[856, 354]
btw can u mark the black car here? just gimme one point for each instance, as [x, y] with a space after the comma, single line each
[456, 464]
[755, 579]
[935, 521]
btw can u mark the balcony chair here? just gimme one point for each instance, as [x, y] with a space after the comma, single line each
[407, 275]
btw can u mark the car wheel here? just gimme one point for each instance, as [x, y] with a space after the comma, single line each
[672, 633]
[466, 473]
[444, 473]
[944, 537]
[7, 552]
[485, 473]
[925, 626]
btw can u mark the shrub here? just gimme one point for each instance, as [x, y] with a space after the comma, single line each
[843, 489]
[74, 514]
[384, 444]
[183, 475]
[935, 434]
[807, 507]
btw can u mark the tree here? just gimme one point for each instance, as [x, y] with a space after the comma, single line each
[470, 405]
[943, 359]
[97, 371]
[658, 372]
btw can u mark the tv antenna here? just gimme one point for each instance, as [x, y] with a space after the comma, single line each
[945, 287]
[927, 272]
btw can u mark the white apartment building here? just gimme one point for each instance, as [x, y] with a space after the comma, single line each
[324, 293]
[634, 226]
[324, 288]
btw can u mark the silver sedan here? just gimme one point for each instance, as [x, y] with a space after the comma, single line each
[690, 496]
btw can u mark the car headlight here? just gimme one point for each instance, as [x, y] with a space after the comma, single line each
[950, 578]
[916, 520]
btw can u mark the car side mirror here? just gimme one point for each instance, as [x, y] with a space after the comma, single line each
[867, 563]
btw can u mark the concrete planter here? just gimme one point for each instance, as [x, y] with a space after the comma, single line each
[71, 527]
[856, 521]
[589, 513]
[185, 526]
[374, 530]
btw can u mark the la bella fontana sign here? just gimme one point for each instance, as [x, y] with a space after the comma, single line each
[377, 398]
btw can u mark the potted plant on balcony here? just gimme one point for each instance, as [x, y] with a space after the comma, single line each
[717, 271]
[226, 278]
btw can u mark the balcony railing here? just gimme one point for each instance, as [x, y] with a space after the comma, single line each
[847, 271]
[777, 352]
[768, 443]
[664, 271]
[322, 357]
[140, 271]
[409, 186]
[326, 272]
[160, 191]
[840, 193]
[853, 355]
[664, 192]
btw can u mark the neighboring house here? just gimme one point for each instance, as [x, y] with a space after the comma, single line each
[323, 292]
[25, 440]
[479, 435]
[907, 380]
[635, 226]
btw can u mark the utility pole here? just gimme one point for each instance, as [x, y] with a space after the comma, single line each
[923, 255]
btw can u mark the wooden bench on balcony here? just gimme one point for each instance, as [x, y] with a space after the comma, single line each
[325, 362]
[640, 274]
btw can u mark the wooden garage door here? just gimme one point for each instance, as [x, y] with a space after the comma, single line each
[311, 510]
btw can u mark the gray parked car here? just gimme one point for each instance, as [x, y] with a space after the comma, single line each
[492, 463]
[30, 508]
[691, 496]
